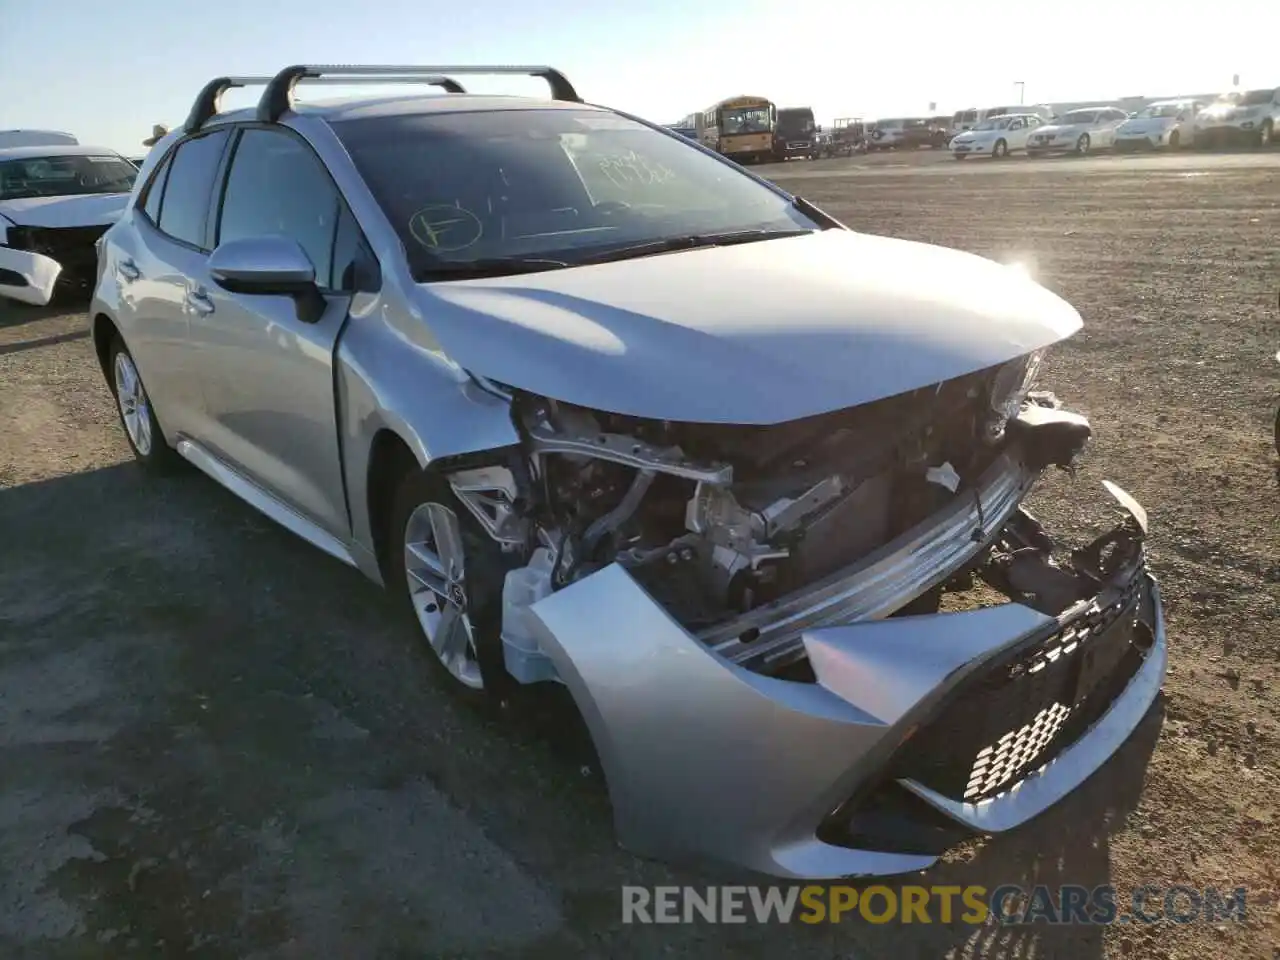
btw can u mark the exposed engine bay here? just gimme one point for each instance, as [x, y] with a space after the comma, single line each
[716, 520]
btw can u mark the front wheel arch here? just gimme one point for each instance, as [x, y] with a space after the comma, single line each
[391, 459]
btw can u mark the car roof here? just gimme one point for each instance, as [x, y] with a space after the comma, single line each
[365, 108]
[55, 150]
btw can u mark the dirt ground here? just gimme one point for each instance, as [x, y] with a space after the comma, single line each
[216, 742]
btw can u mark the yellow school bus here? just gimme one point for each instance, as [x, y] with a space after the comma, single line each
[741, 128]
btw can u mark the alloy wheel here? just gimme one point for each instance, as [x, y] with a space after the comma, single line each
[435, 568]
[135, 409]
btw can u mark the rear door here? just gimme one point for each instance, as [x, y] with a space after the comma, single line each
[152, 264]
[267, 376]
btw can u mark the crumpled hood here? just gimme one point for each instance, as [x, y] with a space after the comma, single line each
[758, 333]
[88, 210]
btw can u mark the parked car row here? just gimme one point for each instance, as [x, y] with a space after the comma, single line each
[1249, 118]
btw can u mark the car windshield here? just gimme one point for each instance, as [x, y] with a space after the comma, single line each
[994, 123]
[745, 120]
[462, 188]
[888, 124]
[64, 176]
[1078, 116]
[1256, 97]
[1160, 110]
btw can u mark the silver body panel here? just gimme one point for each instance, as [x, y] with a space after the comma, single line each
[288, 416]
[667, 716]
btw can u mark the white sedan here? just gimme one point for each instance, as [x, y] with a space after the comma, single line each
[55, 202]
[1164, 124]
[996, 137]
[1079, 131]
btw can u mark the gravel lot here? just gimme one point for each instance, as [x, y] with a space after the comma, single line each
[216, 742]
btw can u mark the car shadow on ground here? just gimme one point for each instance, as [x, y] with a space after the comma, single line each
[222, 741]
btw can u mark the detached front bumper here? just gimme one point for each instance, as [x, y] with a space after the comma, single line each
[27, 277]
[915, 732]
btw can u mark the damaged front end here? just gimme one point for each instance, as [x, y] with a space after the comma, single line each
[38, 262]
[748, 618]
[25, 275]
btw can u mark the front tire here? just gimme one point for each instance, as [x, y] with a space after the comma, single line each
[1000, 150]
[1175, 140]
[449, 576]
[1082, 145]
[1267, 135]
[137, 415]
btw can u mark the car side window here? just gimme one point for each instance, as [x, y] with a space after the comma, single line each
[277, 185]
[155, 191]
[188, 187]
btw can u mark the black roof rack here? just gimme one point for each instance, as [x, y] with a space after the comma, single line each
[209, 98]
[277, 99]
[208, 101]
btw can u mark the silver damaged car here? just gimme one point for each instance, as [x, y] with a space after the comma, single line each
[603, 409]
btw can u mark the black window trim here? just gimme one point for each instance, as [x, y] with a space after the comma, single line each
[214, 221]
[167, 161]
[154, 182]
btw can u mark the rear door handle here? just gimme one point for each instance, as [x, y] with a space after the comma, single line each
[199, 301]
[128, 270]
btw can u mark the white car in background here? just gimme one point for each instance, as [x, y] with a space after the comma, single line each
[1252, 117]
[996, 137]
[55, 202]
[1080, 131]
[1164, 124]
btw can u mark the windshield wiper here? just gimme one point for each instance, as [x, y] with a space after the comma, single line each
[689, 242]
[486, 267]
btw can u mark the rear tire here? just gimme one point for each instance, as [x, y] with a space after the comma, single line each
[137, 415]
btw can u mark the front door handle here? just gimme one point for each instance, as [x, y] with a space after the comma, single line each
[199, 301]
[129, 271]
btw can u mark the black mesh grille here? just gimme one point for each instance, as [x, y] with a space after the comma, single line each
[1020, 713]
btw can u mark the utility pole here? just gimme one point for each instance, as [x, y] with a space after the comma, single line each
[1022, 89]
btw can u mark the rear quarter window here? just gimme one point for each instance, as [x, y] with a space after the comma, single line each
[153, 193]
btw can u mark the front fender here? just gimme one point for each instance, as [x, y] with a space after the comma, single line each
[386, 381]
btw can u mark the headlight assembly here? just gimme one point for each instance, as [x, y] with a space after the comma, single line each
[1009, 388]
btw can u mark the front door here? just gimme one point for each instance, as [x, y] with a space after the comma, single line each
[267, 375]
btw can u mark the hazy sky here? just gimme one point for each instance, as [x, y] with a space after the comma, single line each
[107, 71]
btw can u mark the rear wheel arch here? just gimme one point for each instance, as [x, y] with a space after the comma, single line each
[104, 333]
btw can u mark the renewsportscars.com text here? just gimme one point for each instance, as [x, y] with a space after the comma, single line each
[1008, 904]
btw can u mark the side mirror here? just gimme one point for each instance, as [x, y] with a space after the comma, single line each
[268, 266]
